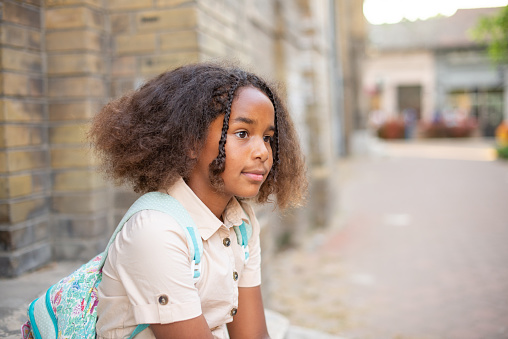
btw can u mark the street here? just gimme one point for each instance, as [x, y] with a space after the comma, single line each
[418, 249]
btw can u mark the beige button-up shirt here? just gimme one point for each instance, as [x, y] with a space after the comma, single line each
[147, 276]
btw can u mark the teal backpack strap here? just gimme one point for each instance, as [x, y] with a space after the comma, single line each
[138, 330]
[243, 234]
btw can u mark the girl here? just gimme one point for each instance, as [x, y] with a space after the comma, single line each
[210, 136]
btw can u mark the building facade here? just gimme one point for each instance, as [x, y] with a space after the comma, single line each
[434, 68]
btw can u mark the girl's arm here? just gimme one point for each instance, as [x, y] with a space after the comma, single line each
[249, 322]
[186, 329]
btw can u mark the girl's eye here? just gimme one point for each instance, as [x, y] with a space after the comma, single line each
[241, 134]
[268, 138]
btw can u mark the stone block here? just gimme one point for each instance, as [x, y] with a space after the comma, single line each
[115, 5]
[76, 87]
[177, 19]
[14, 161]
[80, 203]
[153, 65]
[135, 44]
[3, 162]
[74, 41]
[171, 3]
[21, 15]
[17, 36]
[23, 61]
[35, 87]
[52, 3]
[122, 86]
[181, 40]
[34, 2]
[209, 24]
[33, 40]
[12, 110]
[20, 135]
[124, 66]
[75, 249]
[4, 213]
[123, 198]
[75, 64]
[72, 157]
[73, 17]
[120, 23]
[209, 43]
[79, 227]
[41, 181]
[4, 187]
[21, 85]
[225, 12]
[20, 237]
[15, 186]
[73, 134]
[12, 36]
[76, 110]
[20, 185]
[18, 211]
[15, 263]
[77, 180]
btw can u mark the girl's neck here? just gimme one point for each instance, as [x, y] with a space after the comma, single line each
[216, 202]
[215, 205]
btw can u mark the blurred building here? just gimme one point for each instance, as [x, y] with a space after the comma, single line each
[434, 69]
[61, 60]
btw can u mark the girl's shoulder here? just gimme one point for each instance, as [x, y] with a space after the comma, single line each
[149, 223]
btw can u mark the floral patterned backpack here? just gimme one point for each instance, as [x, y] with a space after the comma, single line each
[68, 308]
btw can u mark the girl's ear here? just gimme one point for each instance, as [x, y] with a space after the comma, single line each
[193, 154]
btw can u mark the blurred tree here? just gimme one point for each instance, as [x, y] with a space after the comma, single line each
[493, 30]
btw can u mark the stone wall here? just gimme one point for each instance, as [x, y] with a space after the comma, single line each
[25, 191]
[63, 59]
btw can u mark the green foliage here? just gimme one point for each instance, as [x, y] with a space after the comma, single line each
[502, 152]
[493, 31]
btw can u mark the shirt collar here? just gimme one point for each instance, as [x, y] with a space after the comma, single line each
[206, 222]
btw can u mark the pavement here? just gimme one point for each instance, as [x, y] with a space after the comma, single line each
[17, 293]
[418, 248]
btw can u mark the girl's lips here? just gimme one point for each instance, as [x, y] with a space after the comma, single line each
[254, 176]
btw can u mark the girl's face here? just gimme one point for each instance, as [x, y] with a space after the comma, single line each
[248, 152]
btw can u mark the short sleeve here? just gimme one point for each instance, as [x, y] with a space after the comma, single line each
[251, 275]
[152, 260]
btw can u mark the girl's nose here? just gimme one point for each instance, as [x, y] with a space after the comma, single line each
[261, 149]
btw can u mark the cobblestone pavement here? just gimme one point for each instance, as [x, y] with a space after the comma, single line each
[419, 249]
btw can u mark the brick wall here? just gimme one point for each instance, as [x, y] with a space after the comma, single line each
[76, 36]
[24, 158]
[61, 60]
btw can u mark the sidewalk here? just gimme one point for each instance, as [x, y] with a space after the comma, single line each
[15, 295]
[419, 250]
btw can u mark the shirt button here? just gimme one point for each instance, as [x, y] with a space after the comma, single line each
[233, 312]
[226, 242]
[235, 275]
[163, 299]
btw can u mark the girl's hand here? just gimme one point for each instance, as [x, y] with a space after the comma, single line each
[187, 329]
[249, 322]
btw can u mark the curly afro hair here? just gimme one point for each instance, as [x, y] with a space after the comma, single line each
[146, 137]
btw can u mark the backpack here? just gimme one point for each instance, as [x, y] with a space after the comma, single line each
[68, 308]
